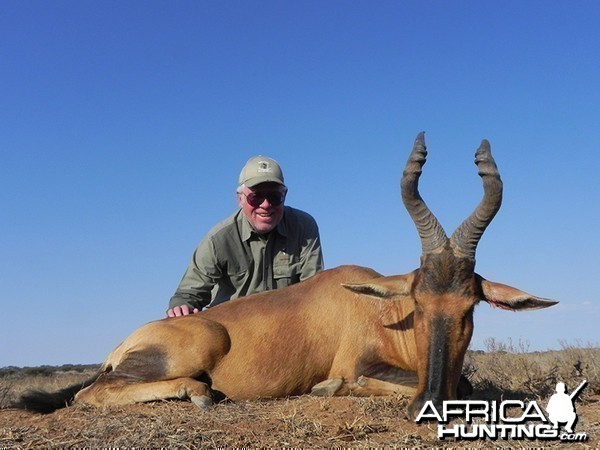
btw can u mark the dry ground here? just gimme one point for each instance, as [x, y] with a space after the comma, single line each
[301, 422]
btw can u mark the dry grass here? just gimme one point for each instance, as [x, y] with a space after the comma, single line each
[508, 370]
[504, 371]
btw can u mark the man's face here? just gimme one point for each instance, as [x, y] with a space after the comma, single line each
[263, 205]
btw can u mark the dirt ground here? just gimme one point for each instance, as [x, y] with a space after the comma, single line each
[301, 422]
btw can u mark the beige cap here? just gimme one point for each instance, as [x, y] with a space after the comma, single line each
[261, 169]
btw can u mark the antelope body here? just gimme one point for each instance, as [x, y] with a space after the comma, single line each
[344, 331]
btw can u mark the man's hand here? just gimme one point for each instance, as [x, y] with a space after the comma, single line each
[182, 310]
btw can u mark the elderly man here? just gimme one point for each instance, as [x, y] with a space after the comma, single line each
[264, 245]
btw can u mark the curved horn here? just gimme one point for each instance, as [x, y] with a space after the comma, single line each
[433, 236]
[466, 237]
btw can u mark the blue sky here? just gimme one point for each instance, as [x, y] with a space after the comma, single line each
[125, 124]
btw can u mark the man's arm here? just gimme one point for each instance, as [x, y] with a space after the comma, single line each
[194, 290]
[311, 255]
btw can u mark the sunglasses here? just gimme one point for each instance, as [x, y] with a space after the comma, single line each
[255, 199]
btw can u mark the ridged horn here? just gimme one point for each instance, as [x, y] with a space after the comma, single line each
[466, 237]
[433, 236]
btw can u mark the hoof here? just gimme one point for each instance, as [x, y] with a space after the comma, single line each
[202, 401]
[327, 388]
[362, 381]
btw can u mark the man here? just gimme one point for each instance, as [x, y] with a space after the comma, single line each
[264, 245]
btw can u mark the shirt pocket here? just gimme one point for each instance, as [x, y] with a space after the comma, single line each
[237, 275]
[285, 270]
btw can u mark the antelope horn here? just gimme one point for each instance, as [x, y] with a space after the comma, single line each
[466, 237]
[433, 236]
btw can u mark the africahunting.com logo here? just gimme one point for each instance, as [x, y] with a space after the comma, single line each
[509, 419]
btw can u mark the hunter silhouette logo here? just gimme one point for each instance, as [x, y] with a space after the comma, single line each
[508, 419]
[561, 407]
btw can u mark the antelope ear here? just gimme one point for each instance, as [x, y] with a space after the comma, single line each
[385, 287]
[507, 297]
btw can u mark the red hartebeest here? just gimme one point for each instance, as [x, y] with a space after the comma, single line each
[347, 330]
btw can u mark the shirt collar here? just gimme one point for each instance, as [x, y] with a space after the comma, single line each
[247, 231]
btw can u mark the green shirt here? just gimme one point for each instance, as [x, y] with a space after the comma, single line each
[234, 261]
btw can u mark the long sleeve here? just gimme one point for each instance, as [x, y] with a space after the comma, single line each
[199, 279]
[311, 257]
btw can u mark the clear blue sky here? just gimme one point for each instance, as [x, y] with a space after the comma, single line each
[124, 126]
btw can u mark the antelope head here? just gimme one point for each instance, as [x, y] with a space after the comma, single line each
[445, 288]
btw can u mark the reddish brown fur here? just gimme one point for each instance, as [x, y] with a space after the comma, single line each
[270, 345]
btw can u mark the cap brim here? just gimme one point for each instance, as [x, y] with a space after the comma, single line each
[259, 180]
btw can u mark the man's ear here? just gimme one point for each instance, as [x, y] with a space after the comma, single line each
[507, 297]
[395, 287]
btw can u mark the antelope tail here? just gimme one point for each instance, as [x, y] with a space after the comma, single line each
[47, 402]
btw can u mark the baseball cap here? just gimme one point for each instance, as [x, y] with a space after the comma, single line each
[261, 169]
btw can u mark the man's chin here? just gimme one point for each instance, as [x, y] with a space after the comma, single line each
[262, 227]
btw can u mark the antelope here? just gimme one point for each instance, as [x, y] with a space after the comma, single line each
[345, 331]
